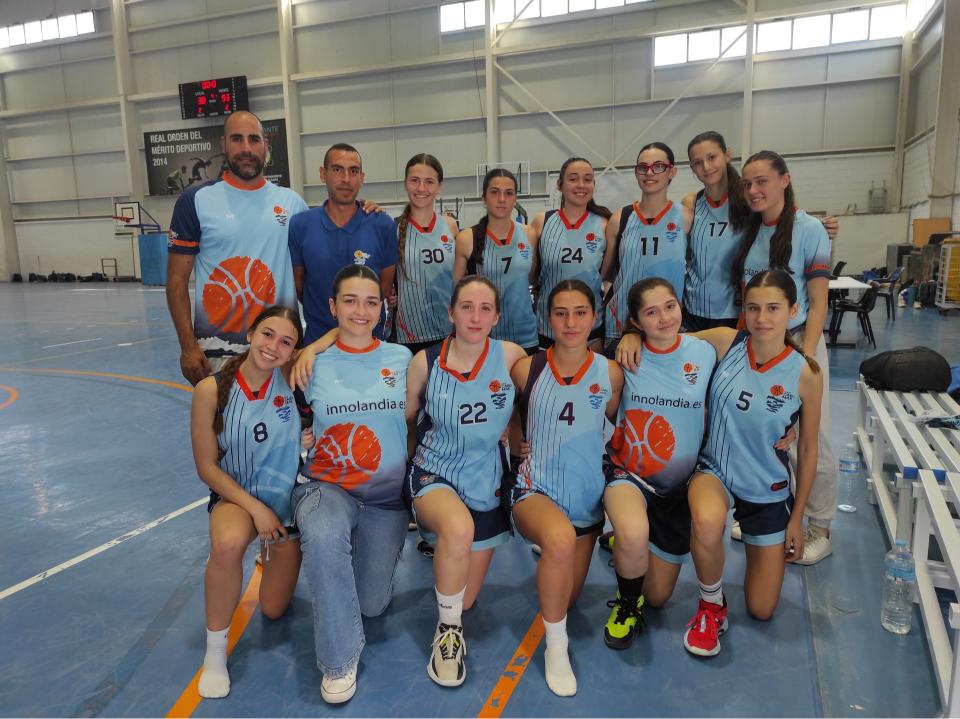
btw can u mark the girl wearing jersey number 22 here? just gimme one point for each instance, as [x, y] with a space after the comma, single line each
[567, 395]
[246, 443]
[464, 393]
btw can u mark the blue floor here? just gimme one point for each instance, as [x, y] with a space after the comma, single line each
[87, 458]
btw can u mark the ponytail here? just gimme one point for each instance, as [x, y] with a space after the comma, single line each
[737, 208]
[227, 375]
[403, 222]
[596, 209]
[793, 344]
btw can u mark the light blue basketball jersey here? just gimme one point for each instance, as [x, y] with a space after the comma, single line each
[358, 398]
[709, 290]
[662, 414]
[261, 440]
[569, 251]
[654, 248]
[239, 238]
[809, 258]
[564, 424]
[750, 409]
[463, 419]
[425, 282]
[507, 264]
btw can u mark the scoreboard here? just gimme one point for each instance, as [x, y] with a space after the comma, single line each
[210, 98]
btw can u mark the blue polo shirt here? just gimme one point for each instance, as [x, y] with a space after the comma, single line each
[322, 249]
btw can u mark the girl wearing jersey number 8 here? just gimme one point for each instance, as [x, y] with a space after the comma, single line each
[567, 395]
[246, 447]
[465, 397]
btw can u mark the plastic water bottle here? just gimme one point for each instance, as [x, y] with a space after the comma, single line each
[899, 583]
[848, 476]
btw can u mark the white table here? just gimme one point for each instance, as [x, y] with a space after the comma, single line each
[843, 284]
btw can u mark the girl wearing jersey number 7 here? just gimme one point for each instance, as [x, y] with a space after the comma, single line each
[761, 386]
[566, 396]
[464, 392]
[503, 250]
[645, 239]
[246, 444]
[572, 244]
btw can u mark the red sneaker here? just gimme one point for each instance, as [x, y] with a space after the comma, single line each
[703, 631]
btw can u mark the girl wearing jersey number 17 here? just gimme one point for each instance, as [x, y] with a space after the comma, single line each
[246, 445]
[464, 394]
[568, 393]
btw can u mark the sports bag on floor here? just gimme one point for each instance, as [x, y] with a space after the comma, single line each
[917, 368]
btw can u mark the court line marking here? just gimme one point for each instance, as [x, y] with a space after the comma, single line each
[513, 672]
[190, 699]
[88, 351]
[14, 395]
[75, 342]
[108, 375]
[37, 578]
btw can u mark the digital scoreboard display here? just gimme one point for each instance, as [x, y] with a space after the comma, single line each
[210, 98]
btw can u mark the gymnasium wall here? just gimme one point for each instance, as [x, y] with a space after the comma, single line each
[379, 74]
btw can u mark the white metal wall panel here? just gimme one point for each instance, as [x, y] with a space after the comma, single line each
[917, 172]
[864, 63]
[725, 76]
[924, 91]
[29, 89]
[96, 129]
[790, 71]
[631, 76]
[788, 120]
[863, 114]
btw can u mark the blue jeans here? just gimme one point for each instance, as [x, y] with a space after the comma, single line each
[350, 553]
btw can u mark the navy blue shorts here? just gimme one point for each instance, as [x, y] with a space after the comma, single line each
[491, 527]
[762, 524]
[668, 516]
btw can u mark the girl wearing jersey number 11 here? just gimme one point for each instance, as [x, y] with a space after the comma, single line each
[567, 395]
[762, 384]
[464, 393]
[246, 444]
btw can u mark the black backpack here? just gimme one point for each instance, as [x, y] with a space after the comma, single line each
[917, 368]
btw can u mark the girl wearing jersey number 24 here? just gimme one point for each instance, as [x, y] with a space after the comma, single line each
[567, 395]
[246, 444]
[464, 393]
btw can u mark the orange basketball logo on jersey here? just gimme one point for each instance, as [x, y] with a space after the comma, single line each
[643, 442]
[776, 390]
[347, 454]
[280, 215]
[389, 377]
[691, 372]
[237, 291]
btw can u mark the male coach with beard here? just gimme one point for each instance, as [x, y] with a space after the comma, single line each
[235, 231]
[339, 233]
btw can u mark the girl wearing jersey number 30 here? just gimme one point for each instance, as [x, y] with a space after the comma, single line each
[453, 483]
[761, 385]
[567, 395]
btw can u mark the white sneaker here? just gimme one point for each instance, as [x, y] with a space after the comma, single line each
[816, 546]
[339, 689]
[735, 533]
[535, 548]
[446, 666]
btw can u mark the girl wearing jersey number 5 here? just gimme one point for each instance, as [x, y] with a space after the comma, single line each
[465, 396]
[246, 444]
[567, 395]
[761, 386]
[503, 250]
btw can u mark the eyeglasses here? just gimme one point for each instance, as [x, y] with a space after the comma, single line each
[658, 168]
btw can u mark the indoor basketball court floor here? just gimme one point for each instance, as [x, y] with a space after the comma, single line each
[104, 541]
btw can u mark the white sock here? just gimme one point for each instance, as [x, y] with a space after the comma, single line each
[215, 681]
[712, 593]
[450, 607]
[560, 677]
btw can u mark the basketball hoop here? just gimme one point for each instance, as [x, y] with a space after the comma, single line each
[128, 219]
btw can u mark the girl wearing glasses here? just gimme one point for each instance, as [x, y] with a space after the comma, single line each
[645, 239]
[572, 243]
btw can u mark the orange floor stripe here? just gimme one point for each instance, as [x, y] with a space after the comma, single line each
[11, 399]
[503, 690]
[188, 702]
[108, 375]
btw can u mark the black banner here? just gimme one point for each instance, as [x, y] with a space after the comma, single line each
[178, 159]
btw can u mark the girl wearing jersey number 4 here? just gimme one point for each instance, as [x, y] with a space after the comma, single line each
[503, 250]
[465, 396]
[645, 239]
[424, 277]
[761, 386]
[567, 394]
[572, 244]
[246, 444]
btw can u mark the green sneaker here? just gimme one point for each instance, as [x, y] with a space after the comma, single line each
[624, 624]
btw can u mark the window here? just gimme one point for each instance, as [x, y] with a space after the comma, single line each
[773, 36]
[670, 49]
[601, 4]
[527, 9]
[16, 35]
[738, 37]
[49, 29]
[473, 13]
[916, 11]
[704, 45]
[811, 31]
[550, 8]
[579, 5]
[451, 17]
[503, 11]
[67, 25]
[4, 37]
[84, 22]
[850, 26]
[888, 21]
[32, 31]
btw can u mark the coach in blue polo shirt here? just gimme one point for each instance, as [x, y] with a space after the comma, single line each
[336, 234]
